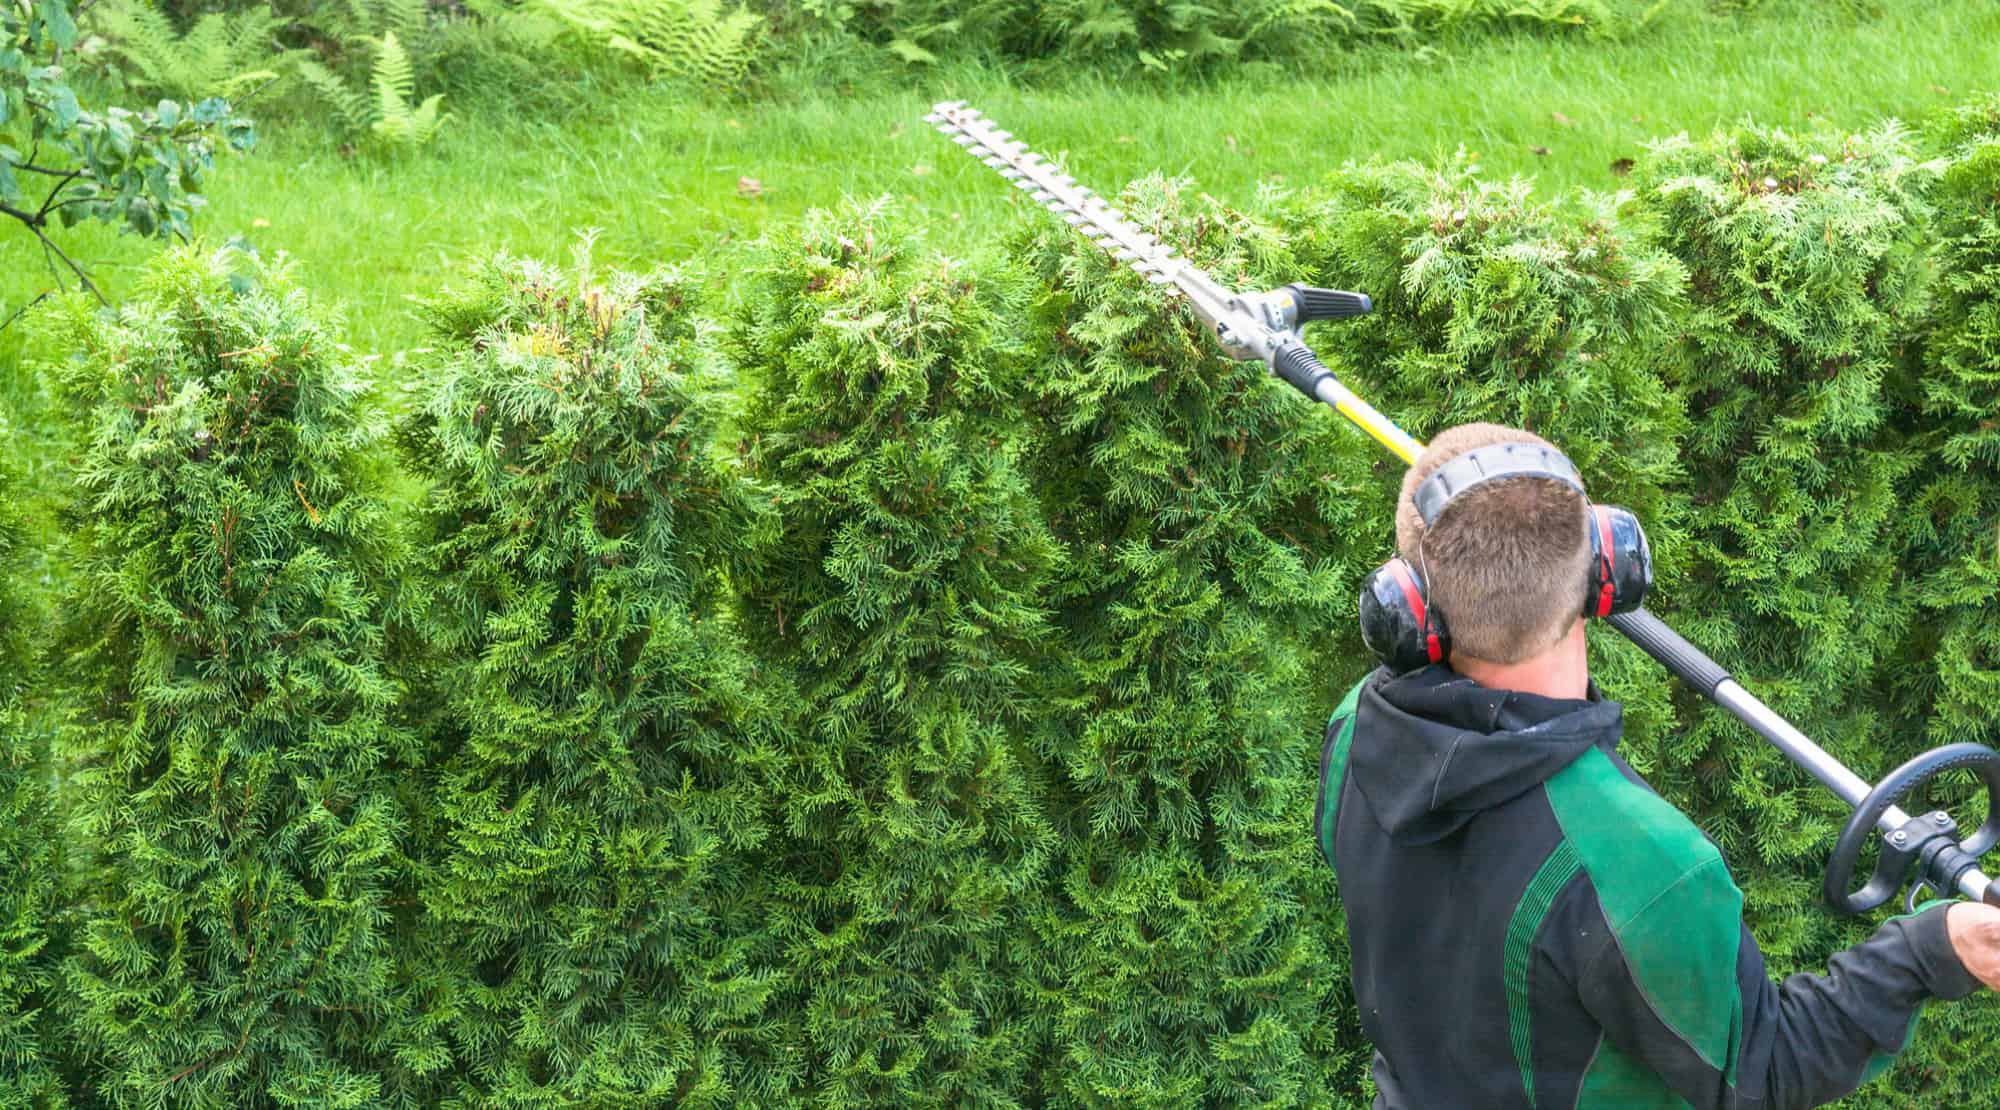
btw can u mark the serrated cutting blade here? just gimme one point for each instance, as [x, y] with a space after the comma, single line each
[1077, 206]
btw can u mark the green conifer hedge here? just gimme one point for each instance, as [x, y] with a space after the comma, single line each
[1493, 305]
[29, 846]
[1806, 263]
[904, 592]
[909, 692]
[233, 773]
[1188, 934]
[1953, 549]
[597, 926]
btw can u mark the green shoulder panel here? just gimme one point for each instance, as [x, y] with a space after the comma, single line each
[1335, 772]
[1677, 915]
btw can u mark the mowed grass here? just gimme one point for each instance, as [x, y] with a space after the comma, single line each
[668, 180]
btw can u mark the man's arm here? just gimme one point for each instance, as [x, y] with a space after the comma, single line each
[1801, 1043]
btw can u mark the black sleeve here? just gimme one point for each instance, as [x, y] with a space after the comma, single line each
[1800, 1043]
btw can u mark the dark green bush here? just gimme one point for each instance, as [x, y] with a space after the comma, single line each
[232, 770]
[1187, 933]
[599, 925]
[29, 856]
[1806, 262]
[1173, 36]
[1947, 675]
[904, 592]
[1952, 546]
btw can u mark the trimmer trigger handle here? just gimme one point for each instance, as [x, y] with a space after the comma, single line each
[1326, 304]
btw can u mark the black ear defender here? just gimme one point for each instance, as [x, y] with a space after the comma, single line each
[1405, 631]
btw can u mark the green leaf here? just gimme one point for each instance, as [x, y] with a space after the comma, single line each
[56, 20]
[142, 217]
[62, 101]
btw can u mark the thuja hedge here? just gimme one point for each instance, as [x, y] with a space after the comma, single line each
[904, 687]
[29, 1042]
[234, 773]
[596, 925]
[904, 593]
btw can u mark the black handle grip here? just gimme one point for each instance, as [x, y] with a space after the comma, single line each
[1328, 304]
[1689, 663]
[1296, 363]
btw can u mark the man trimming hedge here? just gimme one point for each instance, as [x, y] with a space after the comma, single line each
[1532, 925]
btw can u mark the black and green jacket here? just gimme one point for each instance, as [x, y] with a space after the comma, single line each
[1532, 926]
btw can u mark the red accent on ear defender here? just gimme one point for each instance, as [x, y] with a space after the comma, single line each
[1400, 571]
[1608, 581]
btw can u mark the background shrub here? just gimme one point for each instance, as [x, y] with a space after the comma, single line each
[1177, 36]
[62, 164]
[903, 591]
[598, 905]
[220, 54]
[234, 775]
[1187, 932]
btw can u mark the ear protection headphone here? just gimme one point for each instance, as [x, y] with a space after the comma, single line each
[1402, 627]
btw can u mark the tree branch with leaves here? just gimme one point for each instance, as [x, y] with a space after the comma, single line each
[142, 170]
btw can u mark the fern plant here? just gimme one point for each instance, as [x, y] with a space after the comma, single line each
[389, 113]
[221, 55]
[691, 40]
[356, 27]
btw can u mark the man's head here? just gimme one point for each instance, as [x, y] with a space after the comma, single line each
[1505, 562]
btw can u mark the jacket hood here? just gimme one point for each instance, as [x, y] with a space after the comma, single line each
[1432, 748]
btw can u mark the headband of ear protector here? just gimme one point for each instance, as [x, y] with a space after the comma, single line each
[1405, 631]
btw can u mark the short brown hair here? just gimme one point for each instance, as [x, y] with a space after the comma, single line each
[1504, 562]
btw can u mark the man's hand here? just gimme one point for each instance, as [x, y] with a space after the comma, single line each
[1974, 929]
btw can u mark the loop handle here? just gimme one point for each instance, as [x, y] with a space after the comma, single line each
[1928, 842]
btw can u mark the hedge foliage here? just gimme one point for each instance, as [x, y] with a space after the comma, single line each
[902, 592]
[904, 686]
[29, 840]
[236, 778]
[1188, 933]
[594, 929]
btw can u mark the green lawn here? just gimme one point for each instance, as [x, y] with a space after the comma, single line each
[661, 175]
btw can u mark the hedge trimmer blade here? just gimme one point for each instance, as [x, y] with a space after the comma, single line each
[1248, 325]
[1079, 207]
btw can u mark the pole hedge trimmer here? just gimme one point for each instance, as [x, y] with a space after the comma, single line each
[1267, 327]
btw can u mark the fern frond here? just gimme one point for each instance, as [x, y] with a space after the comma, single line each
[720, 45]
[398, 124]
[694, 40]
[349, 106]
[394, 81]
[405, 18]
[221, 55]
